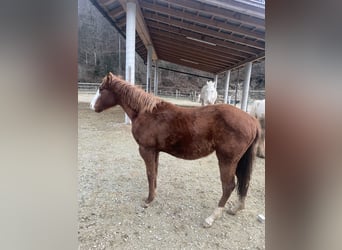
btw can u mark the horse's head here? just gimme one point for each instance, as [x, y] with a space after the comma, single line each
[211, 84]
[104, 97]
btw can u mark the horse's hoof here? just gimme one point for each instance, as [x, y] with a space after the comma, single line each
[208, 223]
[232, 211]
[145, 204]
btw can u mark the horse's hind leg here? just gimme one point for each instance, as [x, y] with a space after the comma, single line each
[151, 161]
[227, 173]
[238, 206]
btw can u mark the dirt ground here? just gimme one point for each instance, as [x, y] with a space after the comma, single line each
[113, 182]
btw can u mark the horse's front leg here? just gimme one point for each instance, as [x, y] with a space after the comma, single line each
[150, 157]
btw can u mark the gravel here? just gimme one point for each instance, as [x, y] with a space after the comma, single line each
[113, 183]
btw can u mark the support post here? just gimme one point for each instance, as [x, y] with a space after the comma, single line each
[216, 79]
[156, 78]
[226, 100]
[130, 46]
[119, 68]
[148, 68]
[248, 71]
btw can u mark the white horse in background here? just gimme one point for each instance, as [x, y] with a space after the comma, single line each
[208, 93]
[258, 111]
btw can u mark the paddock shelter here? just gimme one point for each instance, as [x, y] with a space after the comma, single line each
[215, 36]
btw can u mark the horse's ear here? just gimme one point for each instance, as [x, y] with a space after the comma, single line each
[109, 77]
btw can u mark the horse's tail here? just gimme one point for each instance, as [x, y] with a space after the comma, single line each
[245, 165]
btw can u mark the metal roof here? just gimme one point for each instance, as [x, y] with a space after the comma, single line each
[209, 35]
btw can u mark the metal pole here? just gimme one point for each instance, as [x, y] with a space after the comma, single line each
[130, 46]
[156, 78]
[148, 68]
[119, 68]
[248, 71]
[237, 86]
[227, 87]
[216, 79]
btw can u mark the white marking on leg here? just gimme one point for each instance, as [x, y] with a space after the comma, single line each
[215, 215]
[93, 101]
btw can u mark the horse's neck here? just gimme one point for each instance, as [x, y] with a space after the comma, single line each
[132, 114]
[123, 102]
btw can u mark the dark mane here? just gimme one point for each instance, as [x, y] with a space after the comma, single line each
[134, 96]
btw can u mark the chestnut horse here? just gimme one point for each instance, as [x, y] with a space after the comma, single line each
[187, 133]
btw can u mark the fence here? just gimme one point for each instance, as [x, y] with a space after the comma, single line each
[192, 95]
[87, 87]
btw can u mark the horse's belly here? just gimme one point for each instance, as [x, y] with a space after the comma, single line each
[190, 152]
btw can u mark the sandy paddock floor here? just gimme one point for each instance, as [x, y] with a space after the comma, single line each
[113, 182]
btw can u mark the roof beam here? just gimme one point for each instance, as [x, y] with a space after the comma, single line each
[202, 20]
[197, 58]
[255, 10]
[243, 17]
[188, 46]
[251, 59]
[166, 56]
[201, 30]
[106, 2]
[204, 68]
[227, 44]
[229, 53]
[116, 12]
